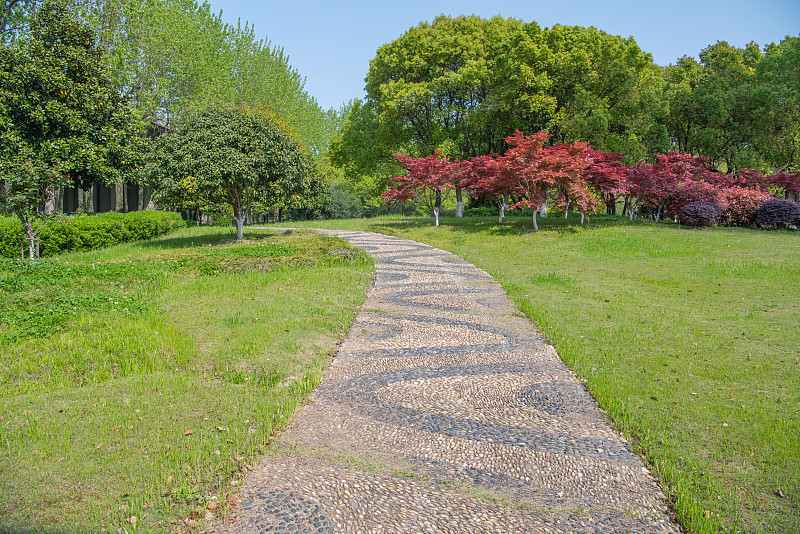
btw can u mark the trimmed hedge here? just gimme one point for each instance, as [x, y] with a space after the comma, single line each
[778, 213]
[700, 214]
[88, 232]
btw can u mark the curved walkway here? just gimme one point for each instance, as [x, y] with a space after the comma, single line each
[446, 411]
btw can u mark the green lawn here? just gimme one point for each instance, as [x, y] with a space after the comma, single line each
[137, 383]
[688, 338]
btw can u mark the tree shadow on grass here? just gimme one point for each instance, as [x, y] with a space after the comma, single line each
[511, 225]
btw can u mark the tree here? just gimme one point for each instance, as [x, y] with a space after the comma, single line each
[534, 168]
[236, 157]
[63, 121]
[607, 177]
[430, 177]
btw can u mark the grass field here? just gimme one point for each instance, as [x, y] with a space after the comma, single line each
[688, 338]
[138, 383]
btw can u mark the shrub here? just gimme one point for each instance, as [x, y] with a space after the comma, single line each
[778, 213]
[691, 192]
[740, 204]
[700, 214]
[88, 232]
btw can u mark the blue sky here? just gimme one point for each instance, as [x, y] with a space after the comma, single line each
[331, 43]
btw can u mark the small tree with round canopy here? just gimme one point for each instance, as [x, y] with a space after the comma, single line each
[234, 157]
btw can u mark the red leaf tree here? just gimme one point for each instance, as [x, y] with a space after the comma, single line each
[534, 168]
[607, 176]
[787, 184]
[430, 178]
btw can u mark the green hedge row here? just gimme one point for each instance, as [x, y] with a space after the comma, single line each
[88, 232]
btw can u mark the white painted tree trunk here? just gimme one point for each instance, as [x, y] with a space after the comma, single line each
[583, 217]
[535, 225]
[566, 210]
[239, 226]
[459, 203]
[436, 215]
[543, 211]
[503, 208]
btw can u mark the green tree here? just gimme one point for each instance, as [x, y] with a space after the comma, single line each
[63, 121]
[714, 106]
[776, 105]
[462, 85]
[175, 58]
[234, 157]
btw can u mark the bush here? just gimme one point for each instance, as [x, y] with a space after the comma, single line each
[88, 232]
[778, 213]
[691, 192]
[343, 204]
[700, 214]
[740, 205]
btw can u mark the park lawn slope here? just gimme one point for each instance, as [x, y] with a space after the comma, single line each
[139, 382]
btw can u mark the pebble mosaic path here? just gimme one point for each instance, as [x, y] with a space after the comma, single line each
[446, 411]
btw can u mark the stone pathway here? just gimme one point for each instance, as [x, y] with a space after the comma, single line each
[446, 411]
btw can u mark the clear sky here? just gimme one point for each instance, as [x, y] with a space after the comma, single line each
[331, 43]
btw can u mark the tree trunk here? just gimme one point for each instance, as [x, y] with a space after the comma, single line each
[543, 211]
[535, 226]
[583, 217]
[503, 208]
[459, 203]
[437, 205]
[119, 197]
[566, 210]
[239, 226]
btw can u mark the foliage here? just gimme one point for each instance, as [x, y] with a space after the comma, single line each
[342, 204]
[88, 232]
[430, 177]
[176, 58]
[740, 205]
[700, 214]
[465, 82]
[786, 184]
[737, 106]
[688, 193]
[63, 120]
[778, 213]
[235, 157]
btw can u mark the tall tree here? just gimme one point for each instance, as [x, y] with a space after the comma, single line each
[64, 122]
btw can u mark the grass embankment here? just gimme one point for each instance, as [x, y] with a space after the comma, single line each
[138, 382]
[688, 338]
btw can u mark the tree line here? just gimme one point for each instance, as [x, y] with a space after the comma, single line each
[462, 85]
[579, 177]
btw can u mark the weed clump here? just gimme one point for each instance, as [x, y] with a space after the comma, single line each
[700, 214]
[778, 213]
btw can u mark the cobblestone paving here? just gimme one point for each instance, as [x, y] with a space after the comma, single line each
[446, 411]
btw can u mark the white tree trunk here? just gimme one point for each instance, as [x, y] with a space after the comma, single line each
[543, 211]
[535, 226]
[566, 210]
[436, 215]
[583, 216]
[239, 226]
[503, 208]
[459, 203]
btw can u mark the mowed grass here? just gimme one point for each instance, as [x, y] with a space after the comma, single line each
[690, 339]
[138, 383]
